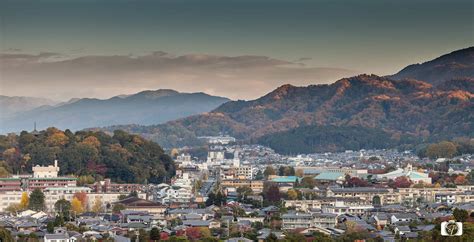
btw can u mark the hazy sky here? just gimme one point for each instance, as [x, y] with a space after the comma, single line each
[239, 49]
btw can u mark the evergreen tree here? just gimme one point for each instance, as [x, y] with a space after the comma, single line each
[460, 215]
[154, 234]
[63, 209]
[36, 202]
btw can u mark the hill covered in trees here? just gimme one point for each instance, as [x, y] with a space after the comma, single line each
[143, 108]
[455, 65]
[315, 138]
[407, 112]
[122, 157]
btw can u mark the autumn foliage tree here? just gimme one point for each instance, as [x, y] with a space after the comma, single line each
[82, 197]
[307, 182]
[76, 205]
[444, 149]
[460, 180]
[24, 200]
[193, 233]
[355, 182]
[269, 171]
[292, 194]
[272, 192]
[98, 205]
[400, 182]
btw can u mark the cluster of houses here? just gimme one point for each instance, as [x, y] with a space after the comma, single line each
[176, 206]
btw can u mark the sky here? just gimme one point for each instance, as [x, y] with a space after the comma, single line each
[240, 49]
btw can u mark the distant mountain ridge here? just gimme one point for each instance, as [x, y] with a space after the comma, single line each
[407, 111]
[455, 65]
[16, 104]
[145, 108]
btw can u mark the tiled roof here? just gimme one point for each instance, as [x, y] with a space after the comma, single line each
[333, 176]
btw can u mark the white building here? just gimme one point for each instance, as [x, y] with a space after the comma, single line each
[53, 194]
[167, 194]
[46, 171]
[414, 176]
[340, 208]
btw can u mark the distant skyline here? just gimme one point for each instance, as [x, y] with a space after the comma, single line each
[237, 49]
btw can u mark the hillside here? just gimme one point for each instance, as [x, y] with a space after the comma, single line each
[409, 111]
[455, 65]
[145, 108]
[406, 111]
[121, 157]
[13, 105]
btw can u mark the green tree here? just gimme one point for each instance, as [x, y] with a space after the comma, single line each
[155, 234]
[243, 192]
[376, 201]
[5, 235]
[308, 182]
[63, 209]
[118, 207]
[294, 237]
[36, 201]
[292, 194]
[460, 215]
[470, 177]
[50, 227]
[133, 194]
[444, 149]
[269, 171]
[259, 176]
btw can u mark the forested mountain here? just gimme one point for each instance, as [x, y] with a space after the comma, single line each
[455, 65]
[147, 107]
[122, 157]
[407, 111]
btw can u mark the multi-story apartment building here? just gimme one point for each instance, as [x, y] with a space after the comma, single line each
[319, 203]
[307, 220]
[340, 207]
[386, 195]
[448, 198]
[296, 220]
[325, 220]
[256, 186]
[43, 177]
[53, 194]
[108, 186]
[311, 171]
[245, 171]
[167, 194]
[44, 182]
[10, 184]
[428, 194]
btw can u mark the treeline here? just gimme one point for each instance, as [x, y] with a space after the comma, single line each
[314, 138]
[447, 149]
[122, 157]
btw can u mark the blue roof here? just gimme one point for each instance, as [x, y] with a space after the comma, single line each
[333, 176]
[285, 179]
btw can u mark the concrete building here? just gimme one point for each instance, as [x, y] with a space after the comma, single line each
[46, 171]
[414, 176]
[340, 208]
[256, 186]
[386, 195]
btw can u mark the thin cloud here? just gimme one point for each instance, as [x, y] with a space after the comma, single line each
[237, 77]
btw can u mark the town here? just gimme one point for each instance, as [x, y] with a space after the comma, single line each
[242, 192]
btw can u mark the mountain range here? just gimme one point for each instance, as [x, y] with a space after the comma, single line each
[422, 103]
[147, 107]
